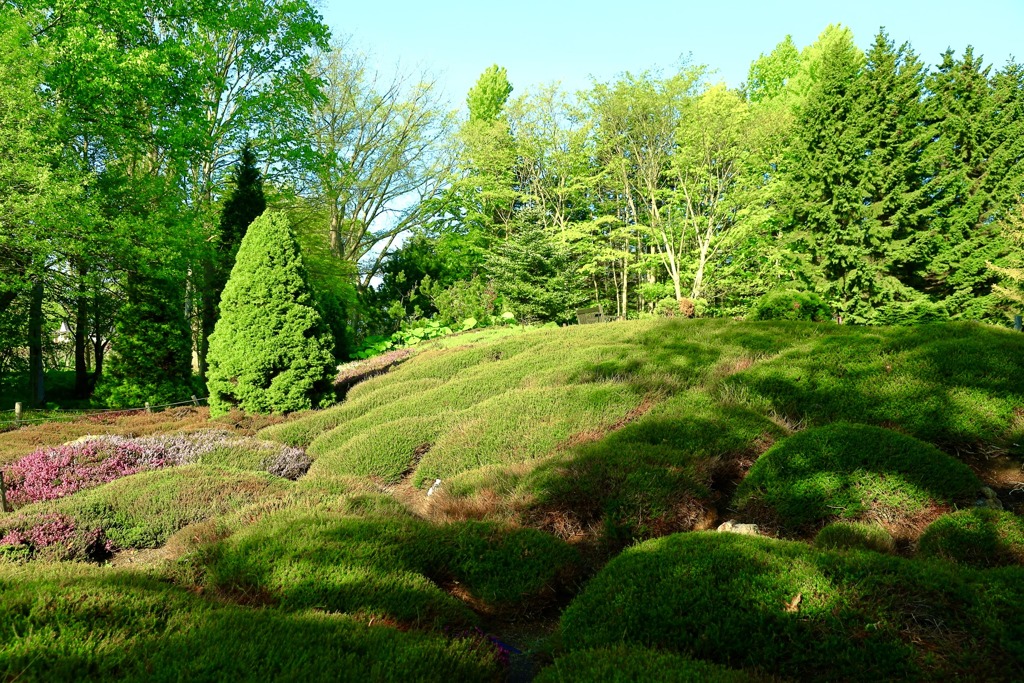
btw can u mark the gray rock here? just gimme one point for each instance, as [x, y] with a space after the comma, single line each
[989, 500]
[733, 527]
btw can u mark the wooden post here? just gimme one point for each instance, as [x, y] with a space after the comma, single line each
[195, 401]
[17, 413]
[4, 507]
[148, 409]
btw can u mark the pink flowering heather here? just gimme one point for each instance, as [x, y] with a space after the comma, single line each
[54, 535]
[50, 530]
[55, 472]
[14, 537]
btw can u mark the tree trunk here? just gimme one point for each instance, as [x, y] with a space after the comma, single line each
[698, 278]
[37, 391]
[81, 333]
[98, 344]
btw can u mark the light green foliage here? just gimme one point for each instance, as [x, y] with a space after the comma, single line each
[487, 98]
[789, 610]
[271, 351]
[854, 535]
[769, 74]
[853, 471]
[976, 538]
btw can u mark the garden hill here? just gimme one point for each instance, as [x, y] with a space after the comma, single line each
[583, 471]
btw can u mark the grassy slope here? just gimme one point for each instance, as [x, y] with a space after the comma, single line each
[597, 435]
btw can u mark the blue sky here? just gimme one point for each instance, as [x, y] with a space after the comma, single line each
[569, 41]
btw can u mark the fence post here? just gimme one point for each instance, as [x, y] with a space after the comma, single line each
[1017, 323]
[148, 409]
[4, 507]
[195, 401]
[17, 413]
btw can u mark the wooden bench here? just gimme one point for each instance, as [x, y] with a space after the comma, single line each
[586, 316]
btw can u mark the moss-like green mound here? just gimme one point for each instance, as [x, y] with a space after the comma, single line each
[950, 384]
[847, 535]
[979, 538]
[635, 664]
[850, 471]
[783, 608]
[389, 565]
[145, 509]
[76, 622]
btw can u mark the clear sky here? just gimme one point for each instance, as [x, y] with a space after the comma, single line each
[540, 41]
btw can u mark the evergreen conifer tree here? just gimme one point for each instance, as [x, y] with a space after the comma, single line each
[894, 137]
[271, 349]
[537, 276]
[961, 119]
[152, 346]
[826, 177]
[245, 203]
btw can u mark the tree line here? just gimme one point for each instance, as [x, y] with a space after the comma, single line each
[139, 140]
[890, 189]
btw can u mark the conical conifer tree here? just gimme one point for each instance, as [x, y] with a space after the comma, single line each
[271, 349]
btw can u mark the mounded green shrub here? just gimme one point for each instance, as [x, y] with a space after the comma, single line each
[847, 535]
[789, 304]
[786, 609]
[271, 350]
[75, 622]
[979, 538]
[621, 664]
[850, 471]
[388, 563]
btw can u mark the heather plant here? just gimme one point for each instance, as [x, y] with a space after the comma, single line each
[978, 537]
[51, 473]
[52, 535]
[801, 613]
[56, 472]
[287, 462]
[271, 349]
[850, 471]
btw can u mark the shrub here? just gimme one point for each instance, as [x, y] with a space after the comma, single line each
[846, 535]
[622, 664]
[387, 563]
[852, 471]
[955, 385]
[979, 538]
[796, 612]
[144, 510]
[270, 351]
[791, 305]
[671, 307]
